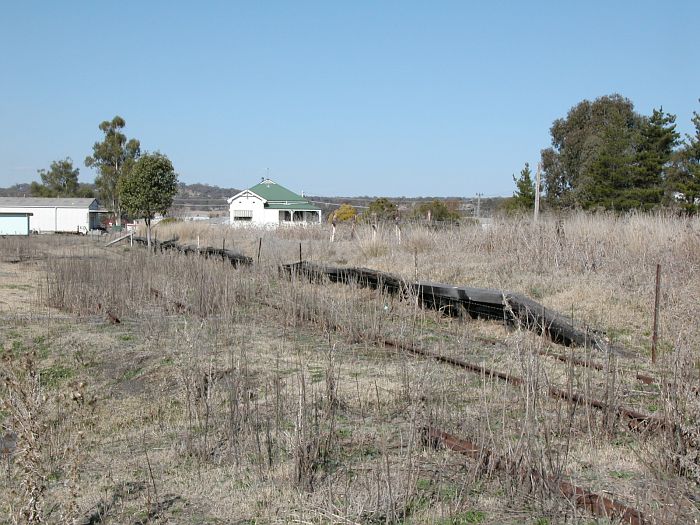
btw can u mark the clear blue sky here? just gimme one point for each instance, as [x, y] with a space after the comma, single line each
[334, 98]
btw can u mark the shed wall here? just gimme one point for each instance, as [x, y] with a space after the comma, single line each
[18, 225]
[55, 219]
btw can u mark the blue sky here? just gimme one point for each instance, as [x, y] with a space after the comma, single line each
[333, 98]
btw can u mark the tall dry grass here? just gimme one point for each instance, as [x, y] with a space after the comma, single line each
[280, 383]
[600, 267]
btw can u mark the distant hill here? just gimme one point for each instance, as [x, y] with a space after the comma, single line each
[203, 191]
[18, 190]
[201, 199]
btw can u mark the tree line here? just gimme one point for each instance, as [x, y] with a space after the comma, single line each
[605, 155]
[384, 210]
[141, 184]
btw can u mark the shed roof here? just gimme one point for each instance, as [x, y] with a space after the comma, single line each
[45, 202]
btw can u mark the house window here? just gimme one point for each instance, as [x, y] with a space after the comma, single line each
[242, 215]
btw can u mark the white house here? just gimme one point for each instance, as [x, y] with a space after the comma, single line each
[269, 204]
[55, 215]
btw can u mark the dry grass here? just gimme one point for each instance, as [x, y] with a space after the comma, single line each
[238, 396]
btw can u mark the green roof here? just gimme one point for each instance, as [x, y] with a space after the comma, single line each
[271, 191]
[280, 198]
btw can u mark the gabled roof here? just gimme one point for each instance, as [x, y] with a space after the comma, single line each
[277, 197]
[271, 191]
[45, 202]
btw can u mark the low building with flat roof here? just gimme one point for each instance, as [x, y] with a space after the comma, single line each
[53, 215]
[14, 223]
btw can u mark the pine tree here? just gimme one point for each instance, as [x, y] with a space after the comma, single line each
[657, 139]
[524, 196]
[684, 178]
[609, 176]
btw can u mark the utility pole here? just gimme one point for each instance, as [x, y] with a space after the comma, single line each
[537, 191]
[655, 332]
[478, 204]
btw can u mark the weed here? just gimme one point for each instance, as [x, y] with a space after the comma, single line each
[54, 375]
[464, 518]
[423, 484]
[131, 373]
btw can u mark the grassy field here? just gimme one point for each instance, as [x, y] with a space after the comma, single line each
[164, 388]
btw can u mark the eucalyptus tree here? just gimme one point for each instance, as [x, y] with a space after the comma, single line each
[606, 155]
[60, 180]
[113, 157]
[604, 127]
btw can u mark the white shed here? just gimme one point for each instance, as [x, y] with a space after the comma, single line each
[269, 204]
[55, 215]
[14, 223]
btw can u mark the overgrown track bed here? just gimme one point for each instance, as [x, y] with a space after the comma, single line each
[297, 408]
[235, 258]
[606, 401]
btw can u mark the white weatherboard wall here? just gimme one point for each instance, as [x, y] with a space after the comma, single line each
[14, 224]
[55, 215]
[259, 215]
[55, 219]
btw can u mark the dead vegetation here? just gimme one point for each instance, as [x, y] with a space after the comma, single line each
[241, 396]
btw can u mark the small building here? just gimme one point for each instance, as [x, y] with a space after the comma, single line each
[269, 204]
[14, 223]
[51, 215]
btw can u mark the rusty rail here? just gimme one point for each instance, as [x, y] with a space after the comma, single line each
[636, 420]
[596, 504]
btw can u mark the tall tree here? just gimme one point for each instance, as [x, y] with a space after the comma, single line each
[114, 157]
[589, 129]
[684, 177]
[60, 180]
[657, 139]
[149, 188]
[608, 177]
